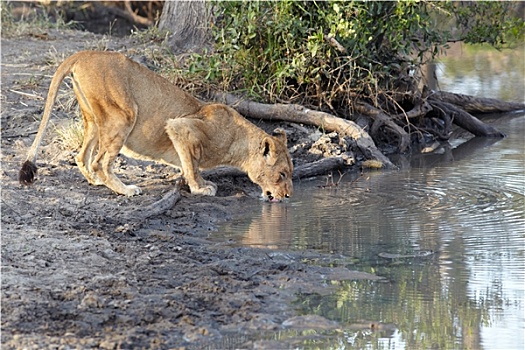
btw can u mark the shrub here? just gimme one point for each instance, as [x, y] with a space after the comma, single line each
[327, 54]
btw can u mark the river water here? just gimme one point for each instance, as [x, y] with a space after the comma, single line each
[446, 230]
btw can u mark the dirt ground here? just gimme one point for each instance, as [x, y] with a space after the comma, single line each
[78, 273]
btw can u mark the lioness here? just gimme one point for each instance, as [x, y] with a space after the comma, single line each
[127, 108]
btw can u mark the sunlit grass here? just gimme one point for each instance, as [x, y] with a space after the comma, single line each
[71, 135]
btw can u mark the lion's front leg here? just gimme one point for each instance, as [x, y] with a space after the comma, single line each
[187, 141]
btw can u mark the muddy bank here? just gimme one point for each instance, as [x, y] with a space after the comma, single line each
[79, 272]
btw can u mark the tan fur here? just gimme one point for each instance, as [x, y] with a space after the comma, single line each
[127, 108]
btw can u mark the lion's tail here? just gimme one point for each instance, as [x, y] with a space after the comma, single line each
[27, 173]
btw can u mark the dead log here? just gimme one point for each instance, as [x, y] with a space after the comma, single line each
[473, 104]
[222, 171]
[299, 114]
[159, 207]
[467, 121]
[320, 167]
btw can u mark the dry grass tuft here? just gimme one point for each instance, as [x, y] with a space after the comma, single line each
[71, 135]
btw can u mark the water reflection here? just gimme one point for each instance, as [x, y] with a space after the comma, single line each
[479, 70]
[270, 233]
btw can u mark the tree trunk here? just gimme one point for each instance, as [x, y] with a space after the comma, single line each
[188, 24]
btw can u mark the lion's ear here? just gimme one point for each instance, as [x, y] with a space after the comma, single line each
[268, 150]
[266, 147]
[280, 134]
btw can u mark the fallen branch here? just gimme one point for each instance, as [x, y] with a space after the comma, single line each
[320, 167]
[223, 172]
[473, 104]
[36, 97]
[467, 121]
[159, 207]
[299, 114]
[15, 136]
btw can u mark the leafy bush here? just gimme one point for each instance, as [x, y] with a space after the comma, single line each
[498, 24]
[327, 54]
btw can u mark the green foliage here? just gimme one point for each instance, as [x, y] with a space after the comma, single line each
[328, 53]
[150, 34]
[495, 23]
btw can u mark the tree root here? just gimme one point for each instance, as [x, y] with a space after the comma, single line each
[299, 114]
[430, 113]
[380, 118]
[467, 121]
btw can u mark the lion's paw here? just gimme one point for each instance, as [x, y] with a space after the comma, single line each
[209, 190]
[96, 181]
[132, 190]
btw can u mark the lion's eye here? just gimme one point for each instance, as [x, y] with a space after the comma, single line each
[282, 175]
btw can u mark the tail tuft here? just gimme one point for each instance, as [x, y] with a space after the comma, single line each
[27, 173]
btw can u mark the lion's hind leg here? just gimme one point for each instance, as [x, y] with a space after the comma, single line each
[85, 156]
[112, 135]
[186, 139]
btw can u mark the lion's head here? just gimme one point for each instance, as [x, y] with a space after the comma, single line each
[273, 168]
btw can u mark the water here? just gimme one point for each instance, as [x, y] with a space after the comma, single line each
[481, 71]
[465, 204]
